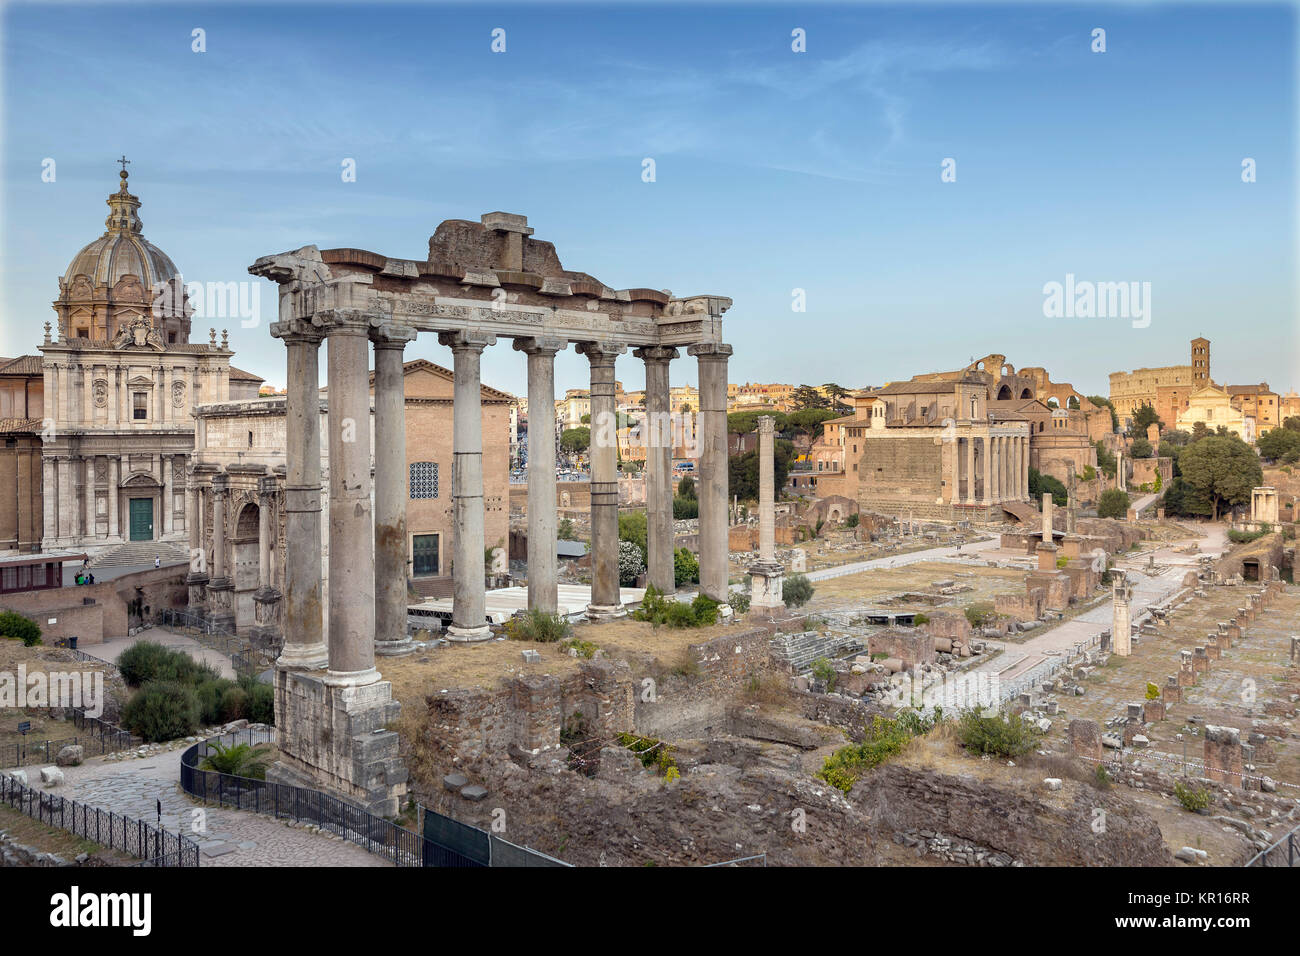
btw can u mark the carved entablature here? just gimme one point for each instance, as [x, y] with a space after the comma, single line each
[491, 277]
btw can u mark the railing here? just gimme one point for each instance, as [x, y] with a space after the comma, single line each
[153, 845]
[284, 802]
[243, 659]
[1285, 852]
[101, 738]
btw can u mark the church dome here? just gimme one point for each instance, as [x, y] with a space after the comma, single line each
[122, 250]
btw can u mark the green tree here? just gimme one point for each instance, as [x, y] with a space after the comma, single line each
[797, 590]
[805, 396]
[566, 531]
[742, 423]
[809, 420]
[1223, 468]
[686, 487]
[1280, 444]
[686, 567]
[1292, 423]
[1040, 484]
[1200, 430]
[1141, 448]
[1105, 460]
[743, 470]
[632, 527]
[1113, 503]
[575, 441]
[1182, 500]
[1143, 417]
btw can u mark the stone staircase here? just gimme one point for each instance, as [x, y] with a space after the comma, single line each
[1024, 513]
[799, 651]
[140, 554]
[433, 587]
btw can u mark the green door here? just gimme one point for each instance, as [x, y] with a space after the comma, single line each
[424, 549]
[141, 519]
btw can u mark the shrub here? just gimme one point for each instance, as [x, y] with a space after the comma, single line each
[240, 760]
[234, 704]
[20, 628]
[566, 531]
[1192, 800]
[798, 590]
[919, 619]
[851, 521]
[146, 661]
[658, 609]
[824, 671]
[882, 739]
[1153, 692]
[685, 508]
[997, 734]
[261, 704]
[980, 613]
[162, 710]
[686, 567]
[580, 647]
[654, 754]
[1246, 537]
[739, 601]
[631, 563]
[1101, 778]
[1113, 503]
[208, 695]
[537, 626]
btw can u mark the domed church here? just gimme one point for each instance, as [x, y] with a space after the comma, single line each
[121, 381]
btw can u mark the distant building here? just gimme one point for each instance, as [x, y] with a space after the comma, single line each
[1258, 402]
[1166, 389]
[1213, 407]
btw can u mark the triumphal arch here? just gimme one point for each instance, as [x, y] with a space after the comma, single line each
[481, 283]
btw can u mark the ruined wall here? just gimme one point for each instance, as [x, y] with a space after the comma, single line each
[898, 475]
[158, 589]
[1039, 832]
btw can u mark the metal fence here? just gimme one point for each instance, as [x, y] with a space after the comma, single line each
[98, 737]
[449, 842]
[283, 802]
[149, 843]
[1285, 852]
[243, 658]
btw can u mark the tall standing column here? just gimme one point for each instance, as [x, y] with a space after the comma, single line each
[468, 614]
[304, 644]
[168, 495]
[606, 601]
[658, 435]
[714, 544]
[970, 470]
[1022, 467]
[766, 575]
[49, 497]
[391, 489]
[352, 534]
[543, 588]
[987, 468]
[221, 590]
[266, 602]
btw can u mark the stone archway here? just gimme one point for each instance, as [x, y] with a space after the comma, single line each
[1026, 392]
[245, 553]
[1004, 393]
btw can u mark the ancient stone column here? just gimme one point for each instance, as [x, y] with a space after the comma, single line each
[197, 579]
[168, 496]
[266, 601]
[1047, 518]
[970, 471]
[606, 601]
[468, 616]
[542, 504]
[392, 484]
[221, 588]
[1121, 619]
[714, 544]
[351, 538]
[303, 618]
[112, 502]
[986, 447]
[658, 434]
[49, 484]
[766, 575]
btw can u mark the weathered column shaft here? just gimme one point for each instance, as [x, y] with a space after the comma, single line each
[265, 542]
[1047, 517]
[303, 619]
[468, 616]
[605, 598]
[970, 471]
[986, 454]
[766, 489]
[88, 525]
[220, 491]
[543, 586]
[391, 489]
[351, 539]
[714, 544]
[658, 434]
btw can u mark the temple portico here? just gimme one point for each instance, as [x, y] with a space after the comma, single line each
[481, 282]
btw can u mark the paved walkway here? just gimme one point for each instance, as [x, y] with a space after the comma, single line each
[111, 650]
[1148, 588]
[946, 553]
[230, 837]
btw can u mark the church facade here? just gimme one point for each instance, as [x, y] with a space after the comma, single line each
[120, 382]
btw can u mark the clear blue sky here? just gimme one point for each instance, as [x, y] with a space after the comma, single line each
[775, 170]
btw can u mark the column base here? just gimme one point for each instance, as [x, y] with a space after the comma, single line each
[605, 612]
[307, 657]
[766, 585]
[333, 736]
[468, 635]
[394, 648]
[333, 678]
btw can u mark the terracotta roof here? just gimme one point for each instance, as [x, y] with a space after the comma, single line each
[239, 375]
[20, 425]
[1261, 388]
[22, 365]
[408, 367]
